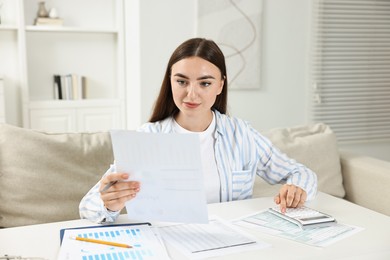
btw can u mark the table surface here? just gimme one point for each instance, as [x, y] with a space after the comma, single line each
[372, 243]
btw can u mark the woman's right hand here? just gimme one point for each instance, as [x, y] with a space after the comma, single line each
[115, 197]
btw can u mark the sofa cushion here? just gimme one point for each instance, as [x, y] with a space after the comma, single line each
[314, 146]
[43, 176]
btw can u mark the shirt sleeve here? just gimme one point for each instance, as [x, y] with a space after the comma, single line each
[276, 167]
[92, 207]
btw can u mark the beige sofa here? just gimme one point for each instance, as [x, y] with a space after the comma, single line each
[43, 176]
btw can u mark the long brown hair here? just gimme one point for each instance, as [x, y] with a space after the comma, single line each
[196, 47]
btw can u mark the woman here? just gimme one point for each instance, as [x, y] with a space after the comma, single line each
[193, 98]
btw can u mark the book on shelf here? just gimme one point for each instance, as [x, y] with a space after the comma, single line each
[49, 21]
[70, 87]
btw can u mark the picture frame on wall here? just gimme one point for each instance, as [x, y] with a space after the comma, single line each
[236, 27]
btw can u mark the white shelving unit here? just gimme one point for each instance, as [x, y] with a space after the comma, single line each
[90, 43]
[2, 102]
[10, 60]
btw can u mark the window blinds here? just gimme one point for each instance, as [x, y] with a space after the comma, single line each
[351, 68]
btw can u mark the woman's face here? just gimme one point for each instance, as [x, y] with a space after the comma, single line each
[196, 83]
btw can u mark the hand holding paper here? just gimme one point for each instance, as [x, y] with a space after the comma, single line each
[115, 190]
[168, 166]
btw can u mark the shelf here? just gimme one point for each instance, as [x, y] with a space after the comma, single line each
[6, 27]
[34, 104]
[52, 28]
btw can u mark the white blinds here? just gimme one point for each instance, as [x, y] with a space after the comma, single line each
[351, 68]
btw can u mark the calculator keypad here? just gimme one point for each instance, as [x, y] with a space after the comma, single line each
[300, 212]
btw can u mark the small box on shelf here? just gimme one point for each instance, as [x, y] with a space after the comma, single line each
[49, 21]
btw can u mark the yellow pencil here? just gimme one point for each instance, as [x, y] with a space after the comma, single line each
[101, 242]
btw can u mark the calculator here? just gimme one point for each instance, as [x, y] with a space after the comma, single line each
[304, 216]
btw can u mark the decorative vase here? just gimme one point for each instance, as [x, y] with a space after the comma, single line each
[42, 12]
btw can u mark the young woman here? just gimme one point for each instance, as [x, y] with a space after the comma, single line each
[193, 98]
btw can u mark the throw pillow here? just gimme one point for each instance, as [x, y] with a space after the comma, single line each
[43, 176]
[315, 146]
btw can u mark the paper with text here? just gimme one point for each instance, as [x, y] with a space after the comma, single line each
[169, 168]
[316, 236]
[218, 238]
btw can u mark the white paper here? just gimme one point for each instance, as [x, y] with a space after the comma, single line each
[199, 241]
[316, 236]
[146, 243]
[170, 171]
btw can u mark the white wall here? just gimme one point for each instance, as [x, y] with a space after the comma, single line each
[282, 99]
[164, 25]
[10, 72]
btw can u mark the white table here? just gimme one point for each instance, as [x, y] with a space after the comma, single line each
[372, 243]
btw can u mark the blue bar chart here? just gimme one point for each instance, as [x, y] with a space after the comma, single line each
[145, 244]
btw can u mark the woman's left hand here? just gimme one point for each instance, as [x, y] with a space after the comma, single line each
[290, 196]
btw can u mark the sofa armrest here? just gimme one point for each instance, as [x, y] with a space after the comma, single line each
[366, 181]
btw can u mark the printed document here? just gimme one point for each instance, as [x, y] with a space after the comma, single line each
[169, 168]
[199, 241]
[316, 236]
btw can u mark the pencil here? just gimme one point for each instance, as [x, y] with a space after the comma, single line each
[101, 242]
[108, 185]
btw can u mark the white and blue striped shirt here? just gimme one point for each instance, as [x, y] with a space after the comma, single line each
[241, 153]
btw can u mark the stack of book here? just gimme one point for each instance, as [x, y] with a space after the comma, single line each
[70, 87]
[49, 21]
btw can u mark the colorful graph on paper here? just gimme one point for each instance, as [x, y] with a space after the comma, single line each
[146, 244]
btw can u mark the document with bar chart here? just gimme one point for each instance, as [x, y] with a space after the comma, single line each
[144, 240]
